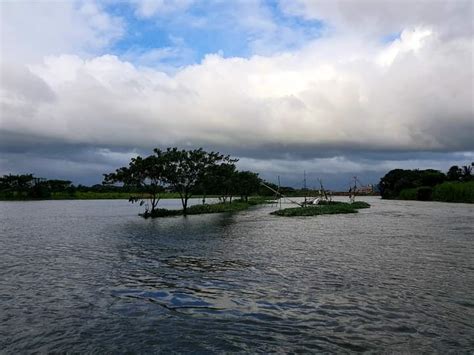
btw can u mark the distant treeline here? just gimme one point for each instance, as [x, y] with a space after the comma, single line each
[456, 185]
[166, 173]
[30, 187]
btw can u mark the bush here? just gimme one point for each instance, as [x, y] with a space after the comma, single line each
[408, 194]
[424, 193]
[454, 192]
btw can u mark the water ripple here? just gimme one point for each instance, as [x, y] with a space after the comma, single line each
[90, 276]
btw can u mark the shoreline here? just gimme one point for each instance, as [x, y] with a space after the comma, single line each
[126, 196]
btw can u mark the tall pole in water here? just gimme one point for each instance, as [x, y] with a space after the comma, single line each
[304, 187]
[279, 185]
[354, 189]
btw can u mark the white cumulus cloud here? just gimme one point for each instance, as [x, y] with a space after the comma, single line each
[320, 96]
[340, 93]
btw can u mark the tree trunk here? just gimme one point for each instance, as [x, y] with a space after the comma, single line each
[182, 202]
[185, 205]
[153, 202]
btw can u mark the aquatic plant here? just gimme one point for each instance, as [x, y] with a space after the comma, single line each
[316, 210]
[238, 205]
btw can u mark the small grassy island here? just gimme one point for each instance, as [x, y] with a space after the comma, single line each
[333, 207]
[235, 206]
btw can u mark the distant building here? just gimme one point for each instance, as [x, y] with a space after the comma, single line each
[369, 189]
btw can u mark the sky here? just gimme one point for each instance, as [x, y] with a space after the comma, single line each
[331, 88]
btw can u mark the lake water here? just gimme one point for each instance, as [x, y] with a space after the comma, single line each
[92, 276]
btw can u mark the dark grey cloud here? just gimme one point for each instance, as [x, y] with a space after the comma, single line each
[85, 164]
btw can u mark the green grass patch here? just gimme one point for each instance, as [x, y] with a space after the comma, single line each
[462, 192]
[316, 210]
[454, 192]
[360, 205]
[408, 194]
[218, 208]
[235, 206]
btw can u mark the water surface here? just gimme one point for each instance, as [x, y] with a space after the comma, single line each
[92, 276]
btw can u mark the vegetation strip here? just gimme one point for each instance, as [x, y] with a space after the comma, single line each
[237, 205]
[457, 185]
[316, 210]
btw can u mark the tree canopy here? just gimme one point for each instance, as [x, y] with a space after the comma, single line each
[184, 172]
[397, 180]
[27, 186]
[146, 174]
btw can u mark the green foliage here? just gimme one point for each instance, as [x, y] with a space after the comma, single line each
[181, 171]
[185, 172]
[246, 183]
[359, 205]
[428, 185]
[161, 212]
[454, 173]
[146, 174]
[397, 180]
[454, 192]
[332, 208]
[235, 206]
[220, 180]
[185, 169]
[466, 173]
[27, 186]
[218, 208]
[408, 194]
[422, 193]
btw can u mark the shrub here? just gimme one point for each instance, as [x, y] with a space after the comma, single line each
[424, 193]
[454, 192]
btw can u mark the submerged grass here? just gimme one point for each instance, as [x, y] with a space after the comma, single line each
[235, 206]
[331, 208]
[360, 204]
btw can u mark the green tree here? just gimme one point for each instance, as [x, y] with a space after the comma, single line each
[145, 174]
[466, 173]
[17, 185]
[454, 173]
[398, 179]
[430, 177]
[224, 179]
[185, 169]
[247, 183]
[58, 185]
